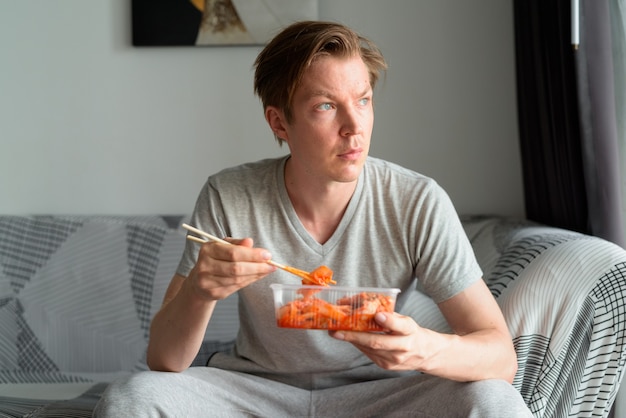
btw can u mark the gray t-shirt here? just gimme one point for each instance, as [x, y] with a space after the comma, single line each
[399, 227]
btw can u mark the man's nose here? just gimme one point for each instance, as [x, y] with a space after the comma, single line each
[350, 122]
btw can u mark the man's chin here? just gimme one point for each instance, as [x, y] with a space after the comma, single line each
[350, 174]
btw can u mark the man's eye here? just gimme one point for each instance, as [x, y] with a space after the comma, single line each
[364, 101]
[325, 106]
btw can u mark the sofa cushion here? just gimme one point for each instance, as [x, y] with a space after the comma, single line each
[77, 293]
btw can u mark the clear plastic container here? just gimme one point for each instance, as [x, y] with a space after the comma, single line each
[331, 307]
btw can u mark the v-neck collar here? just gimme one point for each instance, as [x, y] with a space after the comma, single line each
[327, 247]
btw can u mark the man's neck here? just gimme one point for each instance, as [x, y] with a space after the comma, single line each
[320, 208]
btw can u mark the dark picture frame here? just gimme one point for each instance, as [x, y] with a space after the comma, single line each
[214, 22]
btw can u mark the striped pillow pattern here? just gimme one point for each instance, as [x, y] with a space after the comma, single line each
[563, 295]
[77, 294]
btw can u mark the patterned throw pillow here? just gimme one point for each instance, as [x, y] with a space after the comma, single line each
[77, 293]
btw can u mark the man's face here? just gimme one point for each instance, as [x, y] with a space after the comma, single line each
[333, 116]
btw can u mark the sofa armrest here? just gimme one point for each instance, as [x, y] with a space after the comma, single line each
[562, 294]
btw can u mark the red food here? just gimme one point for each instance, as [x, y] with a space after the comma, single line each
[354, 313]
[322, 276]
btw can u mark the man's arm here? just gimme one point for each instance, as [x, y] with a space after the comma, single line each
[483, 347]
[177, 330]
[480, 348]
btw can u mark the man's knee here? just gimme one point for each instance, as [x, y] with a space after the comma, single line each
[493, 398]
[136, 395]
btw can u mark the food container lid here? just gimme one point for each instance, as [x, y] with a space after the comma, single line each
[281, 286]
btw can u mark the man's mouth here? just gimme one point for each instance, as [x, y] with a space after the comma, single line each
[351, 154]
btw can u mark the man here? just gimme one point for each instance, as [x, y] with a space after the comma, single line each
[373, 222]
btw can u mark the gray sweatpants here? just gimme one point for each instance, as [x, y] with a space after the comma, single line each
[212, 392]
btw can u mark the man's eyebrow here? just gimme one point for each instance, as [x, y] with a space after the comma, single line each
[324, 93]
[318, 93]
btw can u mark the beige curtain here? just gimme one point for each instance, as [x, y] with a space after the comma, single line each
[618, 35]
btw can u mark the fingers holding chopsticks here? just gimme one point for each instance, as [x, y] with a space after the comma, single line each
[225, 266]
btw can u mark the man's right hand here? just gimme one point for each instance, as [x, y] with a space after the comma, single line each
[223, 269]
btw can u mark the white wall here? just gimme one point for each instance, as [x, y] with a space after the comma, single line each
[91, 125]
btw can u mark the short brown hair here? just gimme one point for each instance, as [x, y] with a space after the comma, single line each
[283, 61]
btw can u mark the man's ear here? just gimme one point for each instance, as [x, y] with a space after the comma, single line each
[276, 120]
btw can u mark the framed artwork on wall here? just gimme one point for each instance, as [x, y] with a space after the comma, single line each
[214, 22]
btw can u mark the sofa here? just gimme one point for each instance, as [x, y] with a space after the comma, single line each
[77, 294]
